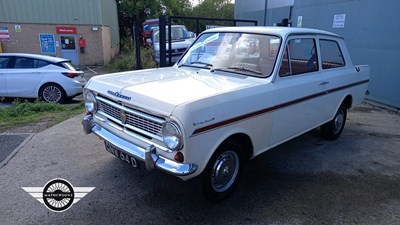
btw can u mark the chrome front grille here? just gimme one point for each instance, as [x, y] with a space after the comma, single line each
[110, 110]
[144, 124]
[132, 119]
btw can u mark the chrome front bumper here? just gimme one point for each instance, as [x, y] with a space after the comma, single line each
[148, 155]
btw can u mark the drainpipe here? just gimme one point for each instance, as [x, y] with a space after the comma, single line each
[265, 12]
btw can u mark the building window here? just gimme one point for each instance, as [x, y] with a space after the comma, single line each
[68, 43]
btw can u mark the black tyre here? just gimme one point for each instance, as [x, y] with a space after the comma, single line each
[222, 172]
[52, 93]
[333, 129]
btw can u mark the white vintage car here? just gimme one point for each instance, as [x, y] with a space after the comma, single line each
[236, 93]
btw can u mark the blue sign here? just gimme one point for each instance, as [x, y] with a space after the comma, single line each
[47, 43]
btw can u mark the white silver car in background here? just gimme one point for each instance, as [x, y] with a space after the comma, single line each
[49, 78]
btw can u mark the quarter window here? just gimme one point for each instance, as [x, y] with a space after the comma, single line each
[300, 56]
[331, 56]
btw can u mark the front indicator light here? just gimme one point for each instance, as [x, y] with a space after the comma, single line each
[179, 157]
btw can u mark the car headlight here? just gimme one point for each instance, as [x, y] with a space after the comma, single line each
[90, 102]
[172, 136]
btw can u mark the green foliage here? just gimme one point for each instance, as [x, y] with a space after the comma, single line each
[214, 9]
[21, 109]
[153, 8]
[127, 45]
[22, 113]
[131, 10]
[126, 59]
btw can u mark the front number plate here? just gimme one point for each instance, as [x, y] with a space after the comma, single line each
[121, 155]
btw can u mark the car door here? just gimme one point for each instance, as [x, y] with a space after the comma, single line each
[4, 61]
[299, 90]
[25, 76]
[338, 74]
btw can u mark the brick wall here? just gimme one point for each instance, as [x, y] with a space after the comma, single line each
[98, 49]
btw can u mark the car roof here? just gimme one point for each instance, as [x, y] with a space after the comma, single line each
[36, 56]
[280, 31]
[151, 20]
[172, 26]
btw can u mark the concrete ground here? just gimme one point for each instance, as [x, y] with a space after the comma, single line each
[354, 180]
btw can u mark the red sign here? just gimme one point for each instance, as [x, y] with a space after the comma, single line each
[66, 30]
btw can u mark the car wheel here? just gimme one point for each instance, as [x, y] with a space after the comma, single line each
[52, 93]
[222, 172]
[333, 129]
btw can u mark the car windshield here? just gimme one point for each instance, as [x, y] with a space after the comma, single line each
[177, 33]
[242, 53]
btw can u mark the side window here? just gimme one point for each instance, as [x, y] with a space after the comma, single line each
[300, 56]
[27, 63]
[24, 63]
[331, 56]
[3, 62]
[40, 63]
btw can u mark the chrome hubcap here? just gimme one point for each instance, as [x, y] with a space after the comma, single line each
[52, 94]
[339, 119]
[225, 171]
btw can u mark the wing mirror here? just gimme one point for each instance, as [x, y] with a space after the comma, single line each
[192, 35]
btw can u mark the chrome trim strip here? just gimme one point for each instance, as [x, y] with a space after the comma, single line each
[133, 135]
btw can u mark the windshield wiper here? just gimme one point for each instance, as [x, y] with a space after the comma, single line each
[245, 69]
[202, 63]
[219, 69]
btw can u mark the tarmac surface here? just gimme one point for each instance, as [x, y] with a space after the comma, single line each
[354, 180]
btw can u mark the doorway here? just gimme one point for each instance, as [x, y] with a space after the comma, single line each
[69, 49]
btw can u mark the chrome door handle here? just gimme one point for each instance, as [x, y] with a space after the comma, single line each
[324, 83]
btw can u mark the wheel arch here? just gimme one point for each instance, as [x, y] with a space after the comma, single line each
[348, 101]
[244, 140]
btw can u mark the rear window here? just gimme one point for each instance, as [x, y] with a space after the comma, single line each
[331, 55]
[69, 65]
